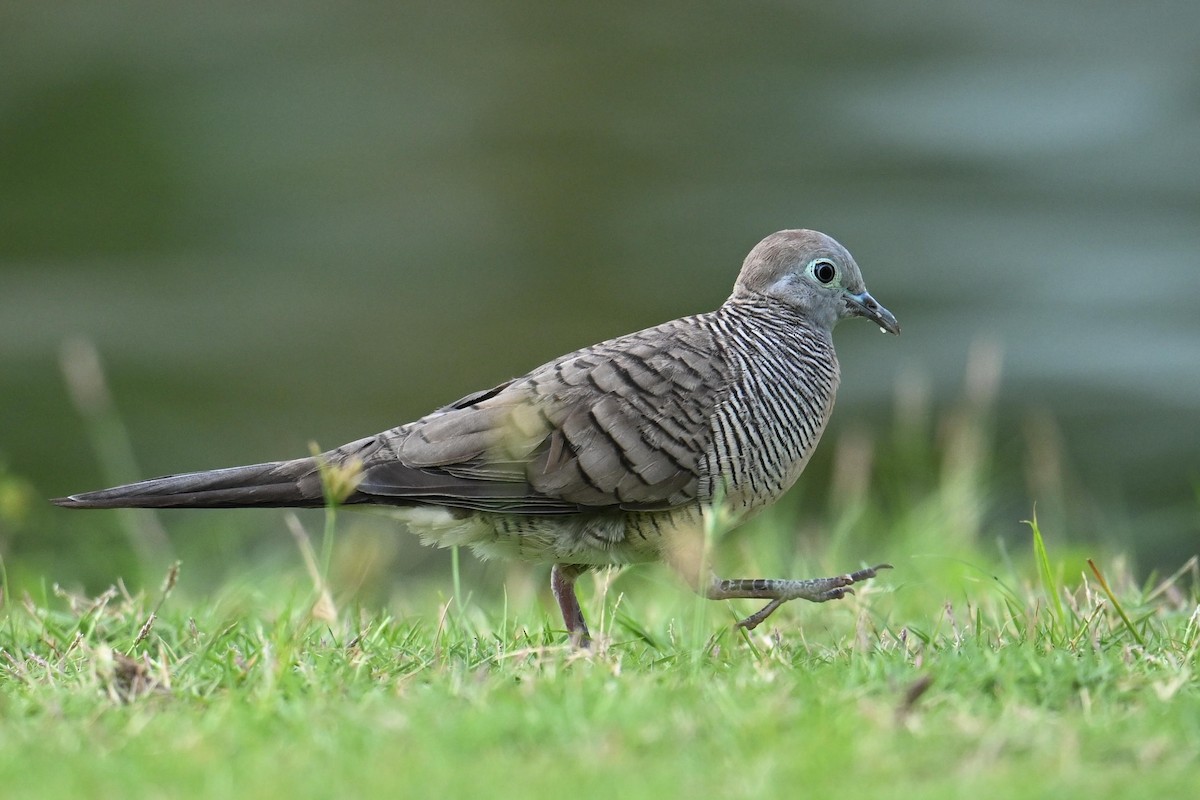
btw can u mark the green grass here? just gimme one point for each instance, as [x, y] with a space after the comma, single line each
[935, 680]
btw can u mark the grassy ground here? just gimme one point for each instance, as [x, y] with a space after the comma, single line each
[933, 680]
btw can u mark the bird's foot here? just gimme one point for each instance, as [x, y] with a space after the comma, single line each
[779, 591]
[562, 583]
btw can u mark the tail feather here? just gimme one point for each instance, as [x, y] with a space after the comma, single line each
[276, 484]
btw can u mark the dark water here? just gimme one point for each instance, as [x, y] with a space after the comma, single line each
[314, 223]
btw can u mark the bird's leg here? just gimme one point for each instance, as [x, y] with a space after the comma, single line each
[779, 590]
[562, 583]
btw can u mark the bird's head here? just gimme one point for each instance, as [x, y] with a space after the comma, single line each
[813, 274]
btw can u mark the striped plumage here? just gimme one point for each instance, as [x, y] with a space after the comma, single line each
[608, 454]
[768, 424]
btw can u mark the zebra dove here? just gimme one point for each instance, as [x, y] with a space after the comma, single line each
[608, 455]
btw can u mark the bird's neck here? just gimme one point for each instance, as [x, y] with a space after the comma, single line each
[765, 312]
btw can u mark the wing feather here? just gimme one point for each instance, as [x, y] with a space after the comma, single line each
[623, 424]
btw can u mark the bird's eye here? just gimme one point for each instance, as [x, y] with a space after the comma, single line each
[824, 271]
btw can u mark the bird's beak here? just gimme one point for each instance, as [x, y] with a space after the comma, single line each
[863, 305]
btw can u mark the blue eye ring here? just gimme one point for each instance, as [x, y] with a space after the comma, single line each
[824, 271]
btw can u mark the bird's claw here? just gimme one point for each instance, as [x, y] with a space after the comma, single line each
[866, 574]
[842, 586]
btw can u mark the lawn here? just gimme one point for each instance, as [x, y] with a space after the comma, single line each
[938, 679]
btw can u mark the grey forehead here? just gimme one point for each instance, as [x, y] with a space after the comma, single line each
[784, 250]
[805, 244]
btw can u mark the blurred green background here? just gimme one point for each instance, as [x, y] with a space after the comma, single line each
[283, 223]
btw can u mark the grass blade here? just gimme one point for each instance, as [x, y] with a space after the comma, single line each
[1117, 605]
[1049, 584]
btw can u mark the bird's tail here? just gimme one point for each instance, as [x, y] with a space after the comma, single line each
[295, 483]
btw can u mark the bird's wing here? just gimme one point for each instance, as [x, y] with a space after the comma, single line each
[623, 424]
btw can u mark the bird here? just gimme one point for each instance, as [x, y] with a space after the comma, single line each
[613, 454]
